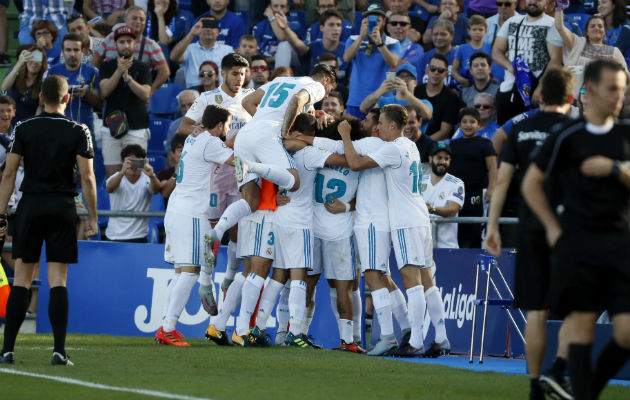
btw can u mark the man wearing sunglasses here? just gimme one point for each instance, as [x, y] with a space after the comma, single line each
[260, 71]
[399, 27]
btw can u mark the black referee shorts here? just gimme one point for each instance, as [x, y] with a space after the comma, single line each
[591, 273]
[533, 271]
[51, 218]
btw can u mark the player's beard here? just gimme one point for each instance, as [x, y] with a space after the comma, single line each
[438, 169]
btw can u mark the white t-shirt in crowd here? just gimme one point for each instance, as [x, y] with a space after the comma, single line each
[449, 188]
[129, 197]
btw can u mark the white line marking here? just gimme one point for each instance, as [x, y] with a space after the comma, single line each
[70, 381]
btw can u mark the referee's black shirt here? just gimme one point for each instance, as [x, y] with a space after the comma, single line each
[591, 204]
[49, 144]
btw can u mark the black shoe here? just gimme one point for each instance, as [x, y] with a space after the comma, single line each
[406, 350]
[556, 387]
[60, 359]
[5, 60]
[7, 358]
[438, 349]
[406, 335]
[309, 340]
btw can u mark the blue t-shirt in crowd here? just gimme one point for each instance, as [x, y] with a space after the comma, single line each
[267, 40]
[507, 127]
[79, 109]
[620, 38]
[391, 99]
[231, 28]
[461, 29]
[411, 51]
[52, 56]
[424, 61]
[313, 33]
[316, 49]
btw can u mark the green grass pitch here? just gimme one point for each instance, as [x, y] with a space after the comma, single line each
[207, 371]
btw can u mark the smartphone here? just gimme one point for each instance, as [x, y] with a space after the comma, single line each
[389, 75]
[137, 163]
[94, 20]
[372, 22]
[209, 23]
[36, 56]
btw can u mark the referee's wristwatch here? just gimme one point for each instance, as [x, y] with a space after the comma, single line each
[129, 78]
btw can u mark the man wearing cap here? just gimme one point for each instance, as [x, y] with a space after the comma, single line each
[125, 86]
[403, 85]
[443, 193]
[372, 55]
[192, 55]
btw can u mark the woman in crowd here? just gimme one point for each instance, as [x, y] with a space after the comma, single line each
[209, 76]
[163, 24]
[617, 28]
[24, 82]
[45, 34]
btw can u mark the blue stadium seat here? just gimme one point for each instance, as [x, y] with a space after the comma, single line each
[187, 15]
[157, 162]
[163, 103]
[577, 19]
[99, 169]
[159, 129]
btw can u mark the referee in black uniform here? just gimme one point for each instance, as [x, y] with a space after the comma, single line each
[51, 145]
[588, 163]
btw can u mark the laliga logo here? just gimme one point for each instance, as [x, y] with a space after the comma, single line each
[458, 306]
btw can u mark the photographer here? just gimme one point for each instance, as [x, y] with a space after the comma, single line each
[131, 189]
[126, 87]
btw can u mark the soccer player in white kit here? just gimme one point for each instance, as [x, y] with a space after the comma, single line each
[186, 219]
[408, 214]
[223, 187]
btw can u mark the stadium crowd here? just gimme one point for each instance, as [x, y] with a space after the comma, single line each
[466, 72]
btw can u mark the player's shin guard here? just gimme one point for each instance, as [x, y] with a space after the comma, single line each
[435, 306]
[251, 292]
[273, 173]
[357, 313]
[417, 306]
[232, 262]
[230, 217]
[267, 302]
[179, 298]
[383, 309]
[399, 309]
[231, 302]
[297, 306]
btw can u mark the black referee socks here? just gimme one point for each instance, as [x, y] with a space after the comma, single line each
[580, 371]
[17, 304]
[610, 360]
[58, 315]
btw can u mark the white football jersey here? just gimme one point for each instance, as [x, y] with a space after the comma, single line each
[449, 188]
[403, 173]
[298, 213]
[371, 207]
[192, 192]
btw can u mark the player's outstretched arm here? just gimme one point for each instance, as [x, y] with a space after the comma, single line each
[355, 161]
[532, 190]
[297, 103]
[251, 101]
[493, 237]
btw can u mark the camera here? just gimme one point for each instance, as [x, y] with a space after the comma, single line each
[72, 87]
[137, 163]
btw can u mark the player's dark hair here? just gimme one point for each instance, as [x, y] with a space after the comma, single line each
[323, 70]
[178, 141]
[471, 112]
[54, 88]
[133, 150]
[305, 123]
[480, 54]
[330, 131]
[376, 113]
[440, 57]
[395, 113]
[594, 69]
[213, 115]
[328, 14]
[557, 86]
[233, 60]
[73, 37]
[4, 99]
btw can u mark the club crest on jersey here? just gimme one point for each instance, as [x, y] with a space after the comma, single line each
[218, 98]
[268, 251]
[442, 196]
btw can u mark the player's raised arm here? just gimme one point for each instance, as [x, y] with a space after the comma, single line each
[355, 161]
[296, 104]
[251, 101]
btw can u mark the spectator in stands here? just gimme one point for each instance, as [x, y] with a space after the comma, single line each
[399, 28]
[334, 105]
[577, 51]
[185, 98]
[209, 76]
[83, 82]
[481, 83]
[131, 189]
[483, 8]
[333, 62]
[281, 71]
[442, 35]
[372, 54]
[125, 86]
[418, 17]
[461, 62]
[330, 23]
[79, 26]
[7, 112]
[192, 55]
[44, 34]
[505, 10]
[314, 32]
[5, 61]
[260, 71]
[54, 11]
[540, 47]
[111, 10]
[146, 49]
[164, 25]
[443, 194]
[24, 82]
[449, 11]
[475, 163]
[445, 102]
[415, 131]
[167, 176]
[403, 87]
[231, 26]
[247, 46]
[269, 33]
[484, 103]
[617, 27]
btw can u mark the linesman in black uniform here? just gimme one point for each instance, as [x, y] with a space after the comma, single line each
[51, 145]
[533, 259]
[588, 163]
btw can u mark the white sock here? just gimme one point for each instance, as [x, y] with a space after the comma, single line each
[232, 263]
[179, 298]
[357, 311]
[399, 309]
[383, 310]
[251, 292]
[333, 303]
[268, 302]
[310, 312]
[276, 174]
[417, 305]
[435, 306]
[230, 217]
[232, 300]
[297, 306]
[345, 330]
[205, 276]
[169, 293]
[282, 311]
